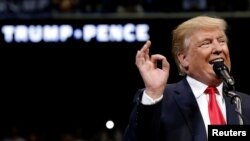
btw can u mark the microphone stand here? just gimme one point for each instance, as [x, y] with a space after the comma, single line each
[235, 99]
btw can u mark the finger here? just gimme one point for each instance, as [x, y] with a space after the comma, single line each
[145, 50]
[146, 46]
[143, 54]
[156, 58]
[165, 64]
[138, 58]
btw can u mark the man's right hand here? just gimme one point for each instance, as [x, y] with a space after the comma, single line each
[155, 79]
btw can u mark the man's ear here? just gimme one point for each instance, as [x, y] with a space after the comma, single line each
[183, 59]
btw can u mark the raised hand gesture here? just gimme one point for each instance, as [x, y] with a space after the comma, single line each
[155, 79]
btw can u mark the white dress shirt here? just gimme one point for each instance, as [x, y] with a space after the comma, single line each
[198, 90]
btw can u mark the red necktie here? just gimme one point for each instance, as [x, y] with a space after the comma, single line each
[215, 114]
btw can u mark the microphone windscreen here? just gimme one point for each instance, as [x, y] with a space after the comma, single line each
[218, 66]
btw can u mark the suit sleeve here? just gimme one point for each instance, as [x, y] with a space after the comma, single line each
[144, 121]
[245, 108]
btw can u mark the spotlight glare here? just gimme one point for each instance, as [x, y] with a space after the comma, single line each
[109, 124]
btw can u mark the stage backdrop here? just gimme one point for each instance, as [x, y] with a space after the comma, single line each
[64, 73]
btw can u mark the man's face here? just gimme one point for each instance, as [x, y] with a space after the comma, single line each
[204, 48]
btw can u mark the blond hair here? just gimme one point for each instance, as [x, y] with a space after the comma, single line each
[181, 34]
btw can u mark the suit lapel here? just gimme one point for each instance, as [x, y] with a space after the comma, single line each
[188, 106]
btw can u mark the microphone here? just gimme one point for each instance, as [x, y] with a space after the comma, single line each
[222, 71]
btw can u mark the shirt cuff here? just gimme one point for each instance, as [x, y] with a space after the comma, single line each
[147, 100]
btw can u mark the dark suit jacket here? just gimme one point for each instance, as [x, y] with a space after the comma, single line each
[176, 117]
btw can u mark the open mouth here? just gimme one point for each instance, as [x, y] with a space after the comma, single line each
[216, 60]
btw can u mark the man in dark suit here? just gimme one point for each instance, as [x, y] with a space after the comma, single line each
[181, 111]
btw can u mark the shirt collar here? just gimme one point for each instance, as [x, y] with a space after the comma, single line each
[198, 88]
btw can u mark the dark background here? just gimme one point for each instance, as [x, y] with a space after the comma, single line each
[52, 87]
